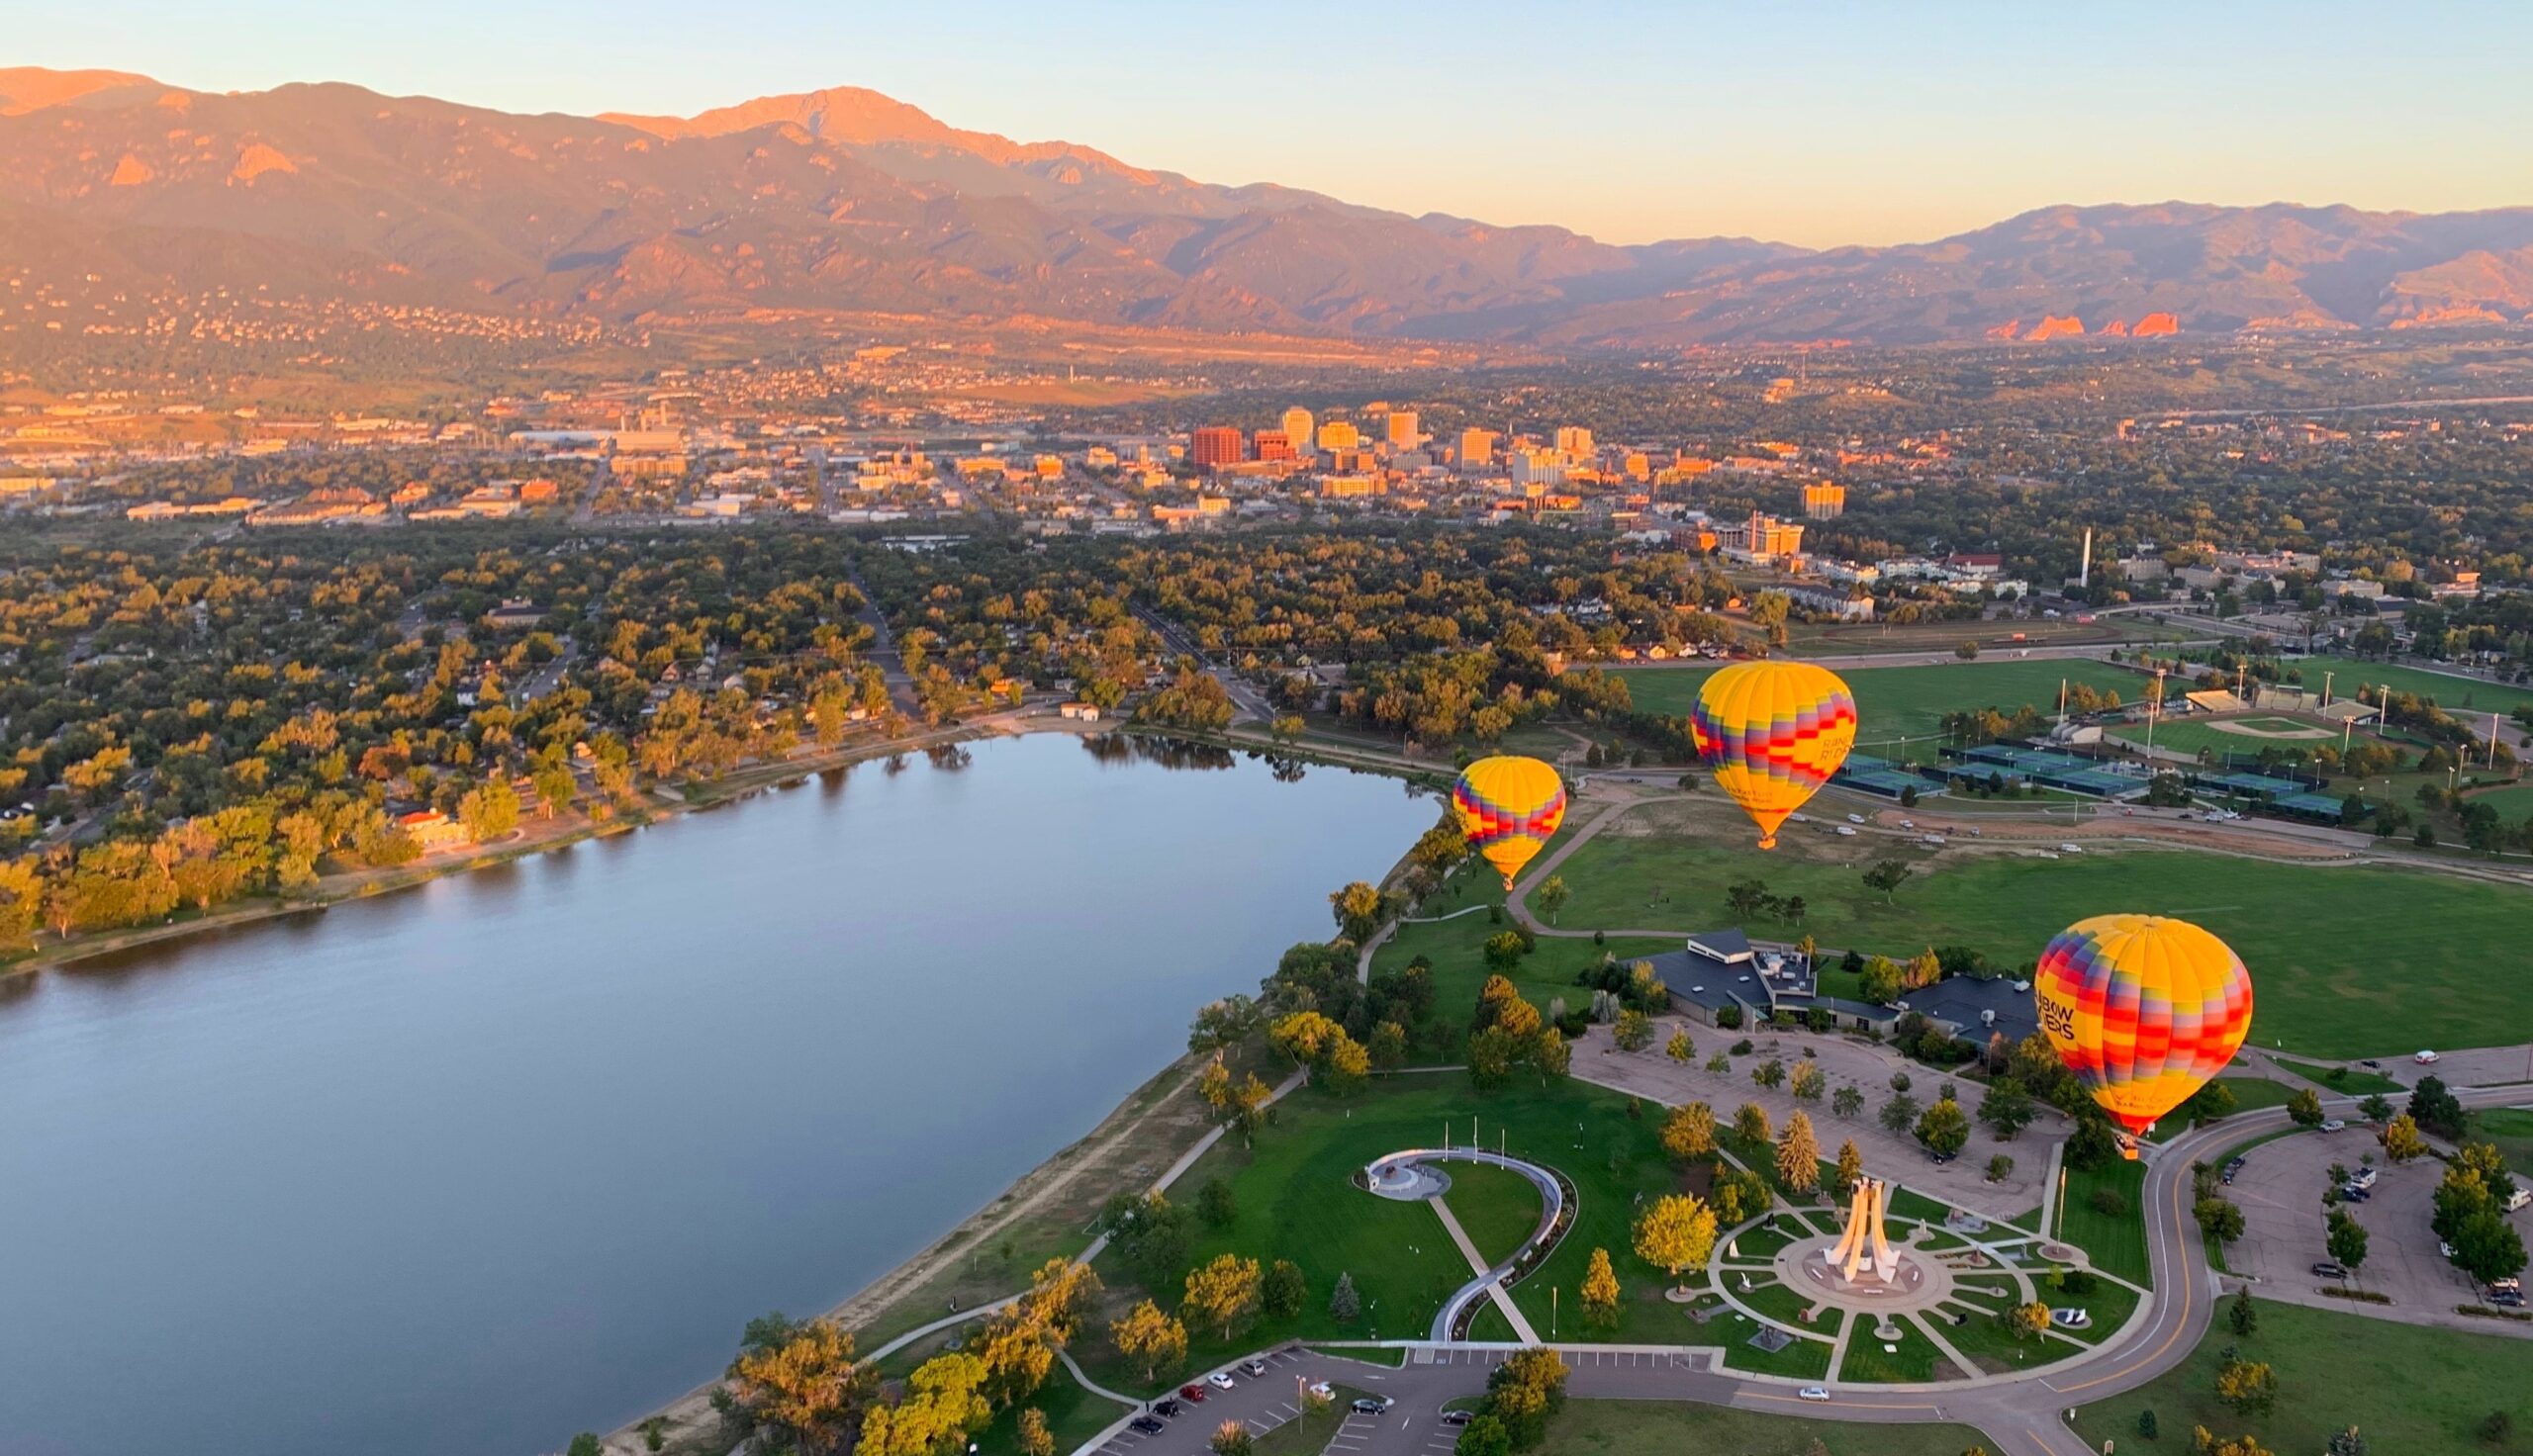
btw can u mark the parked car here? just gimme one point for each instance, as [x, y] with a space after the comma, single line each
[1458, 1417]
[1147, 1426]
[1371, 1405]
[1855, 818]
[1194, 1392]
[1811, 1393]
[1221, 1380]
[2333, 1125]
[1908, 824]
[2072, 1318]
[2351, 1193]
[2071, 848]
[2233, 1165]
[1848, 830]
[2372, 1065]
[1253, 1368]
[2363, 1177]
[2423, 1058]
[1169, 1408]
[1321, 1388]
[2518, 1198]
[1939, 1158]
[2329, 1270]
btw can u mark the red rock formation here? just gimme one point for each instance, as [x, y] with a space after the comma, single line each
[132, 171]
[2056, 326]
[2116, 329]
[256, 160]
[2007, 329]
[2155, 323]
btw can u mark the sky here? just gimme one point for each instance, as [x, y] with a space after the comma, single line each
[1809, 123]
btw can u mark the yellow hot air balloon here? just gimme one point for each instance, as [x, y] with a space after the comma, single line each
[1773, 733]
[1508, 808]
[2144, 1010]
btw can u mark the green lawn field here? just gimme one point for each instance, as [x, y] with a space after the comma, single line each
[2346, 1080]
[2513, 803]
[1911, 702]
[2511, 1128]
[2115, 1240]
[2345, 959]
[1671, 1427]
[1497, 1208]
[2348, 674]
[2190, 736]
[2405, 1387]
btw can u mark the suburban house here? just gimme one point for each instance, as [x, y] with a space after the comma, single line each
[1720, 968]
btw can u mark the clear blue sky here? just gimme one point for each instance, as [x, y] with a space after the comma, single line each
[1818, 124]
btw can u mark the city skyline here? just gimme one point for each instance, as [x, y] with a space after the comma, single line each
[1812, 124]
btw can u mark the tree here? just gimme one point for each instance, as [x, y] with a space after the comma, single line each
[2401, 1140]
[2027, 1321]
[1808, 1081]
[1675, 1232]
[489, 810]
[1224, 1291]
[1946, 1128]
[1885, 876]
[2000, 1169]
[2488, 1247]
[2248, 1385]
[1965, 649]
[1799, 1155]
[2305, 1108]
[2008, 1108]
[1601, 1292]
[2346, 1240]
[801, 1381]
[1689, 1132]
[1284, 1289]
[944, 1402]
[2375, 1109]
[1035, 1438]
[1484, 1436]
[2435, 1109]
[2241, 1315]
[1750, 1123]
[2220, 1218]
[1216, 1204]
[1634, 1031]
[1344, 1305]
[1848, 1101]
[1900, 1113]
[1231, 1438]
[1769, 1073]
[1357, 908]
[1680, 1049]
[585, 1444]
[1879, 981]
[1850, 1167]
[1551, 896]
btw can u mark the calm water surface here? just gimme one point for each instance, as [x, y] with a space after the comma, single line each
[469, 1169]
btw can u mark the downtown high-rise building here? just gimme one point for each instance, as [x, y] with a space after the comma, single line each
[1297, 428]
[1216, 444]
[1403, 434]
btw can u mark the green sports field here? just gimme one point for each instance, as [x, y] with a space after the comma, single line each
[2347, 674]
[2512, 804]
[2192, 735]
[1911, 702]
[2348, 961]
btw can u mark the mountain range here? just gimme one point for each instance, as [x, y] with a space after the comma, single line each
[846, 200]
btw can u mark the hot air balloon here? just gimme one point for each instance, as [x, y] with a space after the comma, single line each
[2144, 1009]
[1773, 733]
[1508, 808]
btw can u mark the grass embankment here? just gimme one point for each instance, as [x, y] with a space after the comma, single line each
[2318, 938]
[2511, 1128]
[1497, 1208]
[2250, 1095]
[2347, 1081]
[1668, 1427]
[2405, 1387]
[2451, 693]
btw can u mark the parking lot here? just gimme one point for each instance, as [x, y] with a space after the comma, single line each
[1412, 1426]
[2279, 1190]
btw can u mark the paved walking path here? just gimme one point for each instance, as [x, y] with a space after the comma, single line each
[1477, 1265]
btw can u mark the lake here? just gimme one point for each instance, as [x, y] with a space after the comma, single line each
[516, 1153]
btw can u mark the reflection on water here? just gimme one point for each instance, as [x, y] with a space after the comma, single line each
[472, 1166]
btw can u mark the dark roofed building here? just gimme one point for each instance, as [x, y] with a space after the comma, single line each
[1975, 1006]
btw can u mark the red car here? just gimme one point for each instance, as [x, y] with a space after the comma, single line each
[1194, 1392]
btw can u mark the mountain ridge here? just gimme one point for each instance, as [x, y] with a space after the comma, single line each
[848, 200]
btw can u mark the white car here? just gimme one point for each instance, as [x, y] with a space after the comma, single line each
[1855, 818]
[2363, 1178]
[1908, 824]
[1220, 1380]
[2333, 1125]
[1811, 1393]
[2424, 1057]
[2071, 849]
[1254, 1369]
[1323, 1390]
[1848, 830]
[1799, 818]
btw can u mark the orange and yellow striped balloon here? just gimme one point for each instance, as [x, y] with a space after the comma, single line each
[2144, 1009]
[1509, 807]
[1773, 733]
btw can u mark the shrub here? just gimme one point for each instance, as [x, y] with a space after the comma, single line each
[2111, 1202]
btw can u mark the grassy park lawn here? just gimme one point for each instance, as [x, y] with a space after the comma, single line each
[2405, 1387]
[1073, 1416]
[1669, 1428]
[2513, 804]
[1458, 950]
[2511, 1128]
[2116, 1242]
[1805, 1359]
[2317, 939]
[1295, 1200]
[2348, 1080]
[2450, 692]
[1912, 1356]
[1497, 1208]
[2250, 1095]
[1986, 1340]
[2191, 736]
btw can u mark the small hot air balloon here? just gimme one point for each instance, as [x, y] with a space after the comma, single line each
[1508, 808]
[1773, 733]
[2144, 1009]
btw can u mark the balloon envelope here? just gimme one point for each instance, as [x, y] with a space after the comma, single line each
[1773, 733]
[2143, 1009]
[1509, 807]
